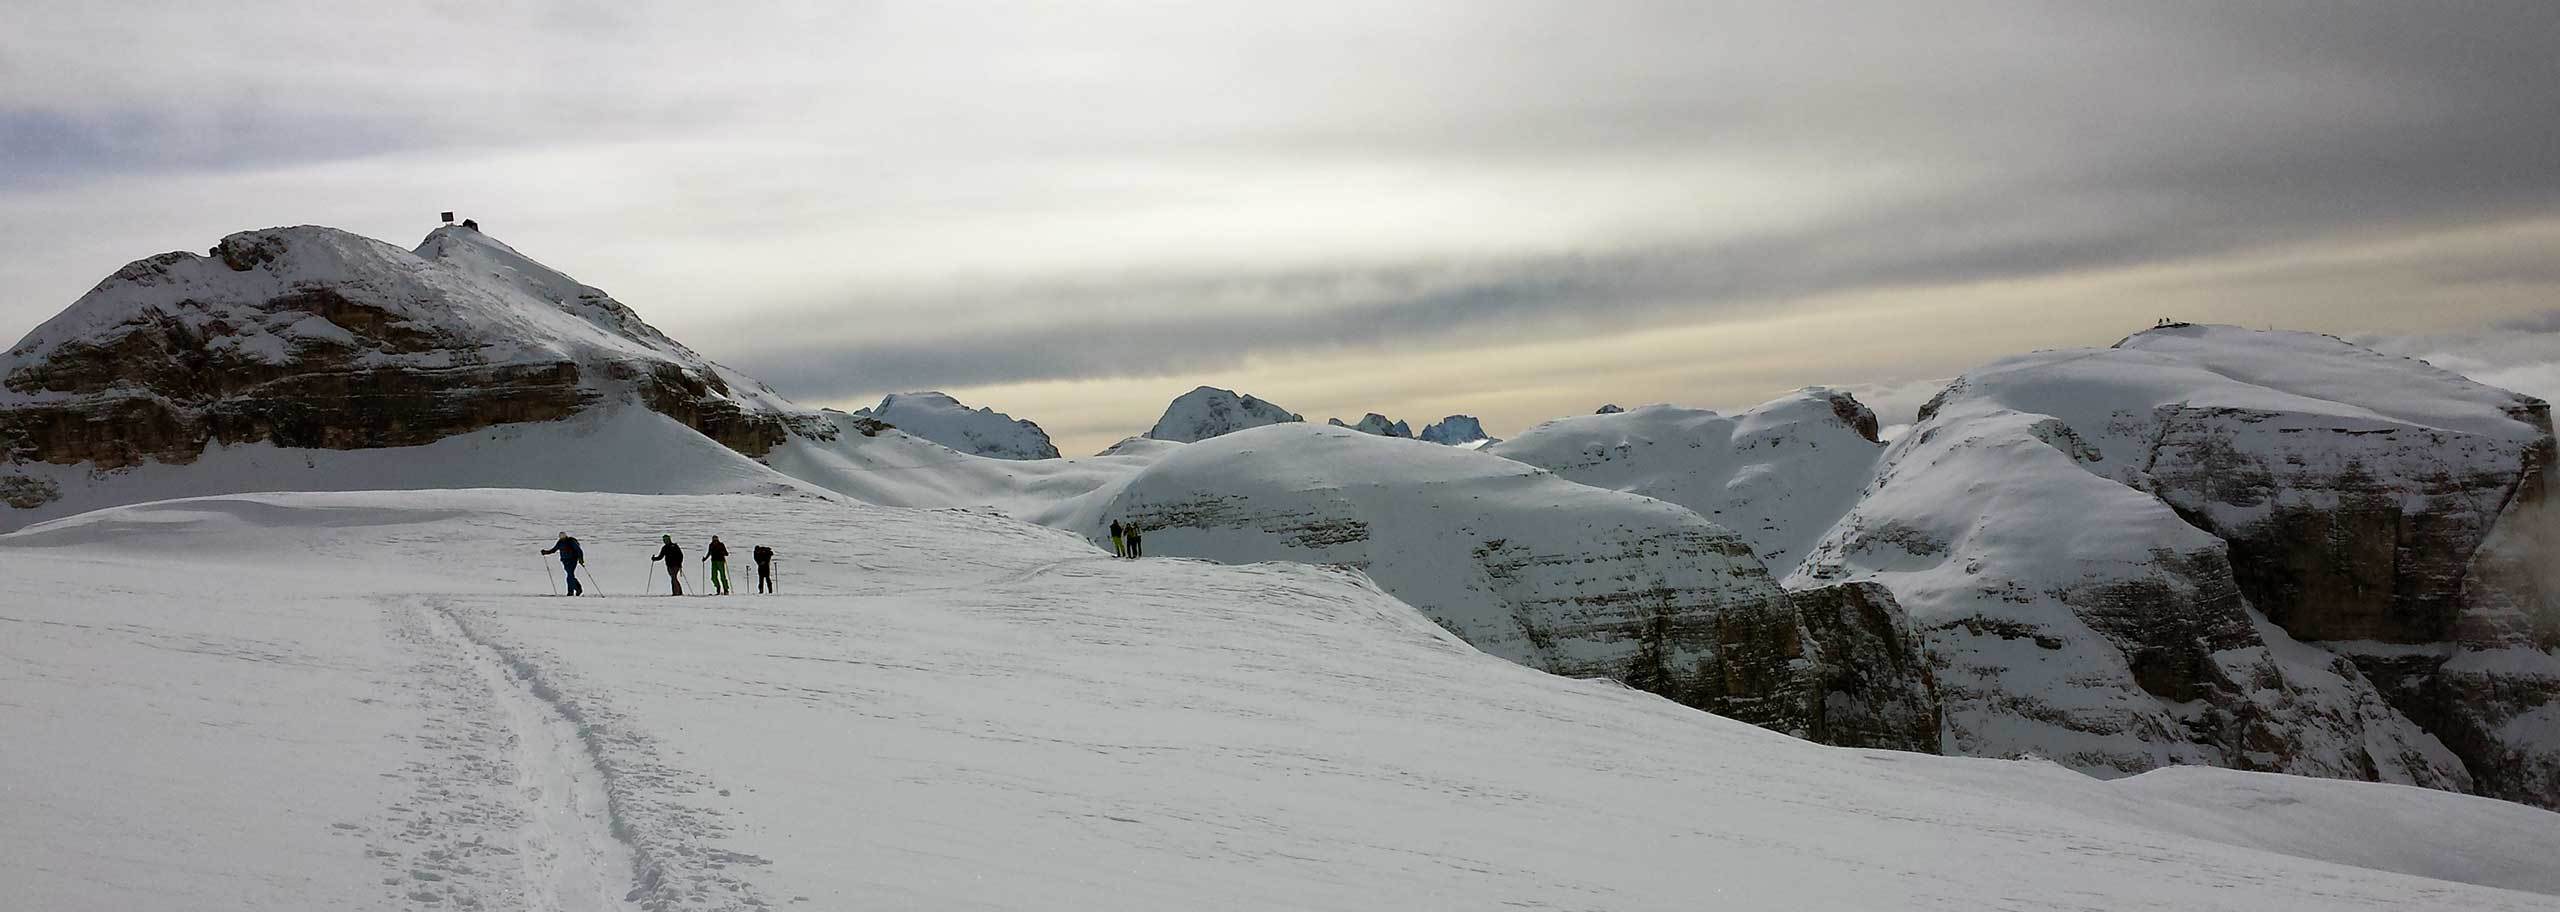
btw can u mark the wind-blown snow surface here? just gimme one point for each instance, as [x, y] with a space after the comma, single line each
[978, 432]
[1779, 475]
[352, 701]
[1521, 563]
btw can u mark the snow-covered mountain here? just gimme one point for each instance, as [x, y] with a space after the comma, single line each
[1208, 412]
[280, 703]
[1458, 430]
[1779, 474]
[1525, 565]
[2268, 551]
[316, 341]
[2213, 545]
[980, 432]
[1375, 424]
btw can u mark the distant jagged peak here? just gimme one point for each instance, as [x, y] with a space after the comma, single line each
[1377, 425]
[1208, 411]
[1609, 409]
[1458, 430]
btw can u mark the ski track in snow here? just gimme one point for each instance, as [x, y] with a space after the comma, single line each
[573, 861]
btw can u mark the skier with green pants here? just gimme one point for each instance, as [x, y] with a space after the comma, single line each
[719, 555]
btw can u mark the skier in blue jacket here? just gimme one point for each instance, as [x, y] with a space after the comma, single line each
[570, 557]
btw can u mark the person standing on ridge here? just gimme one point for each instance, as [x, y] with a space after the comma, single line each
[1119, 543]
[1135, 551]
[764, 568]
[570, 557]
[719, 555]
[674, 556]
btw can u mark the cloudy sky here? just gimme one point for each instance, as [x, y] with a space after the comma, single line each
[1517, 210]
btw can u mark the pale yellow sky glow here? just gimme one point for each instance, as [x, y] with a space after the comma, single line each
[1880, 337]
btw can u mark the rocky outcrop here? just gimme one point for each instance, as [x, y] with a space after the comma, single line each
[2070, 617]
[315, 338]
[1377, 425]
[1558, 576]
[2270, 551]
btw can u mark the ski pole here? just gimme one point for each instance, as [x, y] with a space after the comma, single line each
[546, 574]
[591, 578]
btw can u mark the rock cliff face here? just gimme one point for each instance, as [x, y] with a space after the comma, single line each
[1562, 577]
[1209, 412]
[315, 338]
[2270, 551]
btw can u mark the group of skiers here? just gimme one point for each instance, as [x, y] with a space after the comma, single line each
[572, 557]
[1124, 539]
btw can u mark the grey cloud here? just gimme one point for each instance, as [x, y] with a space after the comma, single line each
[2029, 139]
[2521, 354]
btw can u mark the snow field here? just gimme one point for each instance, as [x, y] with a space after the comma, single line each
[350, 701]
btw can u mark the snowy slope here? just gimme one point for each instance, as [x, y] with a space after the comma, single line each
[274, 703]
[1208, 412]
[892, 468]
[1527, 566]
[1779, 474]
[623, 450]
[979, 432]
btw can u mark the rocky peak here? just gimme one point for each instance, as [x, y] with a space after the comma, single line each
[1455, 430]
[314, 337]
[1208, 412]
[1376, 425]
[938, 417]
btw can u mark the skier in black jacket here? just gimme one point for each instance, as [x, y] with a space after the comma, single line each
[764, 568]
[674, 556]
[570, 557]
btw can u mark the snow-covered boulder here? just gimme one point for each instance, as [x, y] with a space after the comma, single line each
[2122, 558]
[1528, 566]
[1458, 430]
[981, 431]
[1377, 425]
[1208, 412]
[1609, 409]
[1779, 474]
